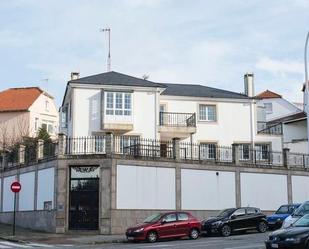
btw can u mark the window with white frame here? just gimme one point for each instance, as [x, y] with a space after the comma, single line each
[268, 108]
[244, 151]
[47, 106]
[49, 126]
[118, 103]
[208, 150]
[207, 112]
[262, 151]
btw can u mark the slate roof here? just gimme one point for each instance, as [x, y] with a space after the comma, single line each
[190, 90]
[18, 99]
[268, 95]
[290, 118]
[115, 78]
[200, 91]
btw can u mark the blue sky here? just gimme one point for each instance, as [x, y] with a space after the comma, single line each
[208, 42]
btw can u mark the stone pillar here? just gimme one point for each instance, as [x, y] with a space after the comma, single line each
[3, 161]
[62, 200]
[105, 200]
[21, 154]
[109, 144]
[178, 186]
[40, 149]
[286, 158]
[238, 187]
[290, 191]
[61, 144]
[176, 148]
[235, 154]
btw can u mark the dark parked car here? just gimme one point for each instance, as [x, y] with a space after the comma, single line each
[275, 220]
[235, 219]
[296, 236]
[165, 225]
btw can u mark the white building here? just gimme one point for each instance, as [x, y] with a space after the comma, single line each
[275, 106]
[122, 104]
[23, 111]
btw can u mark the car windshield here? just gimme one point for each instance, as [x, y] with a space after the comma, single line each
[283, 210]
[153, 218]
[302, 210]
[226, 212]
[302, 222]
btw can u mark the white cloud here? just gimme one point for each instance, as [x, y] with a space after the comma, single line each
[280, 67]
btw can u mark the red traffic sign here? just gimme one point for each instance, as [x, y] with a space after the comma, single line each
[15, 187]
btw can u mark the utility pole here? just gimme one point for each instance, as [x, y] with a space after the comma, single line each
[108, 30]
[306, 87]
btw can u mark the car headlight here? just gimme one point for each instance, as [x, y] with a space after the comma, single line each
[139, 230]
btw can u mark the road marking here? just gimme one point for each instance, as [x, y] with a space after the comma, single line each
[155, 246]
[14, 245]
[40, 245]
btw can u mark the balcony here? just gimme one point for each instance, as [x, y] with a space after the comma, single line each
[176, 125]
[275, 129]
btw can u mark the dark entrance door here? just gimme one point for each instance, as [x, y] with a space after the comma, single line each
[84, 198]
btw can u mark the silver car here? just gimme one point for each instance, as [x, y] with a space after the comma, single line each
[298, 213]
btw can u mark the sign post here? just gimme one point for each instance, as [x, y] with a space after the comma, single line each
[15, 187]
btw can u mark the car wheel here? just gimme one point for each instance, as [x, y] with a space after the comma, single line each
[226, 230]
[262, 227]
[152, 237]
[194, 233]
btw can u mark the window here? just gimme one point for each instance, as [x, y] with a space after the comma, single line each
[268, 108]
[252, 210]
[119, 104]
[207, 113]
[47, 106]
[64, 117]
[239, 212]
[36, 124]
[48, 126]
[127, 104]
[110, 104]
[244, 151]
[262, 151]
[183, 216]
[170, 218]
[208, 150]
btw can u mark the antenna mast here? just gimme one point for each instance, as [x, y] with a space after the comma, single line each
[108, 30]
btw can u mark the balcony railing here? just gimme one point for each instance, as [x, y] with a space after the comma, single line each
[175, 119]
[271, 130]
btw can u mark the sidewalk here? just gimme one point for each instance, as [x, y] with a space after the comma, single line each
[26, 235]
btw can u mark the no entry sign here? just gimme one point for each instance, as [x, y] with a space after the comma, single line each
[15, 187]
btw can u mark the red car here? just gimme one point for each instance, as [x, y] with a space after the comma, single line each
[165, 225]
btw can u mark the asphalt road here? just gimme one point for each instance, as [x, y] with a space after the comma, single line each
[246, 241]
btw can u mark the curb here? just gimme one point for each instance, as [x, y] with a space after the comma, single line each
[11, 239]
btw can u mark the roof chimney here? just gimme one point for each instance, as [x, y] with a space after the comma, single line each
[249, 84]
[74, 75]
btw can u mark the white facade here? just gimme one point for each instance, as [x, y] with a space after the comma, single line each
[44, 113]
[277, 108]
[89, 109]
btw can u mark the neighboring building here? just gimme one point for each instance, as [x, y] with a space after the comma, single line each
[275, 106]
[23, 111]
[294, 130]
[124, 105]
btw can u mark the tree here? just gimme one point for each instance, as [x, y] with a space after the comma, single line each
[44, 135]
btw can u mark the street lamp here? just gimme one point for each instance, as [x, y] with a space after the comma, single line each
[306, 87]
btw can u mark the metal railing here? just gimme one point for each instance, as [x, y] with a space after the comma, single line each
[142, 147]
[272, 130]
[85, 145]
[175, 119]
[298, 160]
[205, 152]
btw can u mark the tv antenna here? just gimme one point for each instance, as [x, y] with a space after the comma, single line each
[108, 30]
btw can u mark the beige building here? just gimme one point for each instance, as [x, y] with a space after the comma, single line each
[23, 111]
